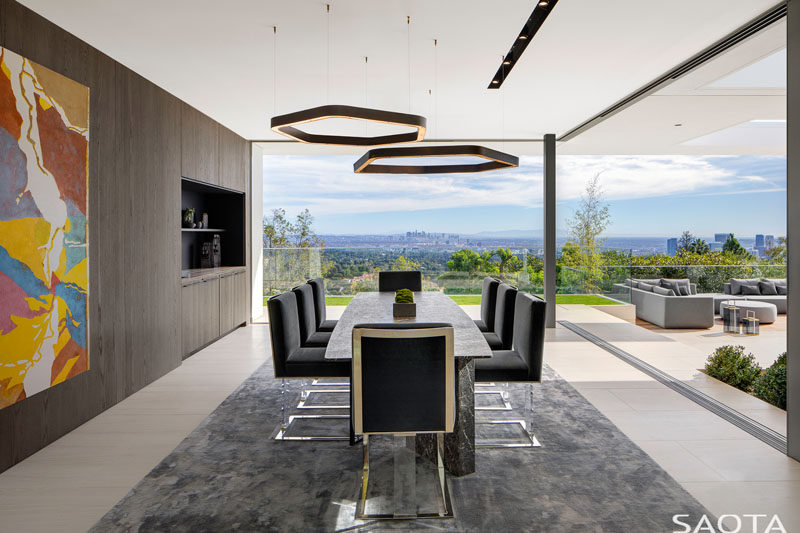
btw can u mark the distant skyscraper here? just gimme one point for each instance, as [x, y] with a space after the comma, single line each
[759, 240]
[672, 246]
[721, 237]
[769, 241]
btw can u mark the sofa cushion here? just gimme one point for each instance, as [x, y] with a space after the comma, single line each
[736, 284]
[646, 286]
[782, 289]
[750, 290]
[684, 290]
[663, 291]
[656, 281]
[767, 288]
[675, 285]
[777, 281]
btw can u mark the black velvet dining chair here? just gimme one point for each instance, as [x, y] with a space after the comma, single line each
[318, 288]
[292, 360]
[500, 335]
[520, 364]
[396, 280]
[488, 304]
[310, 336]
[403, 382]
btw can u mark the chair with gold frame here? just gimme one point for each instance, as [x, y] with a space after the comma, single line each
[403, 384]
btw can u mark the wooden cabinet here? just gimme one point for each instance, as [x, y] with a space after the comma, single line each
[200, 313]
[213, 306]
[199, 146]
[233, 154]
[232, 301]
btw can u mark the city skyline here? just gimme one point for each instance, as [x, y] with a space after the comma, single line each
[648, 196]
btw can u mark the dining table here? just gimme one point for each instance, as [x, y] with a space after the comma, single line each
[468, 344]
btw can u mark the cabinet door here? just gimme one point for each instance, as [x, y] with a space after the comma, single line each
[209, 310]
[242, 304]
[227, 303]
[232, 160]
[199, 146]
[190, 319]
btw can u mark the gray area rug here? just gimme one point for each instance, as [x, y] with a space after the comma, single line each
[229, 475]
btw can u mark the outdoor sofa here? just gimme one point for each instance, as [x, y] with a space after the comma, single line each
[772, 291]
[657, 301]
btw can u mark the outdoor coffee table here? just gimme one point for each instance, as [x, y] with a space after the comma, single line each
[766, 313]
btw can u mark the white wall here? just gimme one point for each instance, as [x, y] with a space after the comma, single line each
[257, 245]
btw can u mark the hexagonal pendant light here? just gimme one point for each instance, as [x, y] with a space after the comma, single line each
[495, 160]
[287, 125]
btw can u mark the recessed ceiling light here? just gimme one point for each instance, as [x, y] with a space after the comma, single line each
[541, 10]
[495, 81]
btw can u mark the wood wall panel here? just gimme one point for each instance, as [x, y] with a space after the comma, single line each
[139, 147]
[200, 146]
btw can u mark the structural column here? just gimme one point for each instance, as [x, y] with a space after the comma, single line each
[793, 229]
[550, 228]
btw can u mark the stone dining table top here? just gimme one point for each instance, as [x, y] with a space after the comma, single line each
[376, 307]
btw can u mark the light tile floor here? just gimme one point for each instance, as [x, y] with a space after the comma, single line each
[74, 481]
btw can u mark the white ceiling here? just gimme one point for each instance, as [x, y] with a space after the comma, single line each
[720, 107]
[218, 56]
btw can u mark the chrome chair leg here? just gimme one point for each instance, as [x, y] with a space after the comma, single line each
[287, 420]
[502, 392]
[528, 439]
[307, 394]
[446, 507]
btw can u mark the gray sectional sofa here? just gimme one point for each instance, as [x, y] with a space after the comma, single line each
[657, 301]
[766, 290]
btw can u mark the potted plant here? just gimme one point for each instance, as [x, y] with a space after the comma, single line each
[188, 217]
[404, 305]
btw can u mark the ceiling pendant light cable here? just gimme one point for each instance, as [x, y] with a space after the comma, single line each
[328, 56]
[290, 123]
[408, 57]
[274, 69]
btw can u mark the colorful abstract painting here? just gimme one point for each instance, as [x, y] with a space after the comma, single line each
[44, 148]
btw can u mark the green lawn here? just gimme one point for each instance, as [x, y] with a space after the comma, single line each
[475, 299]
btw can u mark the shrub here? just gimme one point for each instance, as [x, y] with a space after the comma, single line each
[730, 365]
[771, 385]
[404, 296]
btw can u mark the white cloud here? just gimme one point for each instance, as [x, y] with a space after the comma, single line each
[327, 184]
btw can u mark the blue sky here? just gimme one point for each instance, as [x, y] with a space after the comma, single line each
[647, 195]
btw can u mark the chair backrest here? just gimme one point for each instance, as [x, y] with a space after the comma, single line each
[318, 288]
[394, 281]
[529, 322]
[305, 311]
[504, 314]
[284, 328]
[403, 378]
[489, 301]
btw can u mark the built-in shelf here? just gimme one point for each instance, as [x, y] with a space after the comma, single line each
[226, 213]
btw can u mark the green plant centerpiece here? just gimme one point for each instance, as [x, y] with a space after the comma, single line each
[404, 306]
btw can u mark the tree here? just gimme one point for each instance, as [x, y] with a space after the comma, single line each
[699, 247]
[508, 262]
[732, 246]
[303, 232]
[777, 253]
[464, 260]
[280, 233]
[401, 263]
[686, 240]
[585, 227]
[277, 230]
